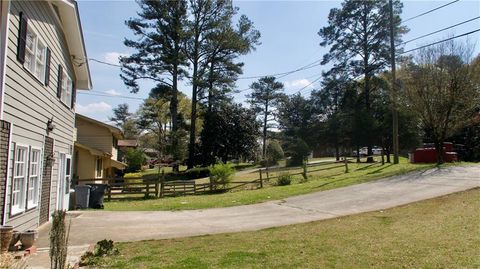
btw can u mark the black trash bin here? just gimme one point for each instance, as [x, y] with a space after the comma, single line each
[82, 196]
[97, 193]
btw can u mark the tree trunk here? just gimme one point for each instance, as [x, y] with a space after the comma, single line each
[439, 148]
[173, 111]
[387, 152]
[210, 88]
[337, 151]
[264, 148]
[358, 153]
[193, 116]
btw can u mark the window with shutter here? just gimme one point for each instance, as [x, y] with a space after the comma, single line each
[22, 37]
[65, 87]
[59, 81]
[47, 67]
[34, 53]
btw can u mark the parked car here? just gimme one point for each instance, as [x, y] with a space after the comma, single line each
[364, 151]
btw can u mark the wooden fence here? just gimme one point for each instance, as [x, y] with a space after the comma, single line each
[124, 188]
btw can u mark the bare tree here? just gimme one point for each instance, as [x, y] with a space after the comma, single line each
[439, 87]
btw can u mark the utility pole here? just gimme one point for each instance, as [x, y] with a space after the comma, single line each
[394, 86]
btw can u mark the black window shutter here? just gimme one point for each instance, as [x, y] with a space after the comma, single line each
[74, 95]
[47, 67]
[59, 81]
[22, 37]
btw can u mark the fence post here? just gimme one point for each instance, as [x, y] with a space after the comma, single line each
[261, 180]
[346, 162]
[161, 184]
[266, 170]
[305, 164]
[109, 192]
[148, 189]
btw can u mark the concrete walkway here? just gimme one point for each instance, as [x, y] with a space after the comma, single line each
[91, 226]
[88, 227]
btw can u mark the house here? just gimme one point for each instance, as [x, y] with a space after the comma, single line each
[42, 65]
[96, 151]
[124, 146]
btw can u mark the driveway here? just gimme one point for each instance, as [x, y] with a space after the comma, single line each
[91, 226]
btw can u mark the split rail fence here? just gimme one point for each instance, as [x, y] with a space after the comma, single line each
[122, 188]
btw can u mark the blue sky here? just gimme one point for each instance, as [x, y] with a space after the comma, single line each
[289, 41]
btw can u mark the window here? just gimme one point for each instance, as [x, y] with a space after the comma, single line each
[33, 178]
[35, 55]
[99, 168]
[66, 89]
[19, 179]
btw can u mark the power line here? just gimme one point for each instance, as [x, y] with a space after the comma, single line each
[310, 84]
[114, 96]
[430, 11]
[282, 74]
[438, 31]
[441, 41]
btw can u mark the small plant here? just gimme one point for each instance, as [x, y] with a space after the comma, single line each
[59, 240]
[221, 174]
[284, 179]
[103, 248]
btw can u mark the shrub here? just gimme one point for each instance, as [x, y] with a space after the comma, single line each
[198, 172]
[135, 159]
[298, 150]
[274, 152]
[221, 174]
[59, 240]
[284, 179]
[102, 249]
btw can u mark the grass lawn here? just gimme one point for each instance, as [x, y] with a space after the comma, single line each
[318, 181]
[437, 233]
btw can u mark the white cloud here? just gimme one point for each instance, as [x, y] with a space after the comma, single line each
[298, 84]
[112, 57]
[112, 92]
[93, 108]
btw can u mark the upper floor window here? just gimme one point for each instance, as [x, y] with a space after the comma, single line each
[66, 89]
[35, 55]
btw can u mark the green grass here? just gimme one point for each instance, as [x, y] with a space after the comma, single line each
[437, 233]
[318, 181]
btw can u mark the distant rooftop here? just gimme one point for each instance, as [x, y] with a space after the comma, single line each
[127, 143]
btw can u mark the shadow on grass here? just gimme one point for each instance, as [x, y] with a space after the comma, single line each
[366, 167]
[333, 181]
[380, 169]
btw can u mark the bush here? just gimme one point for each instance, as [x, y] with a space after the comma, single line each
[59, 240]
[298, 150]
[274, 152]
[284, 179]
[102, 249]
[135, 159]
[221, 174]
[194, 173]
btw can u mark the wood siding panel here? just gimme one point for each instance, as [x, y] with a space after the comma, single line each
[29, 104]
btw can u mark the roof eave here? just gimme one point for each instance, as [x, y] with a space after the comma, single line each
[72, 29]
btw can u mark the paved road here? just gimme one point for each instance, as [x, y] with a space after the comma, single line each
[92, 226]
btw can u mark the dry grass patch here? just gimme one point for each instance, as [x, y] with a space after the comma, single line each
[437, 233]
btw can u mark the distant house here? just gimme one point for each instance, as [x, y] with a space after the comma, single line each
[42, 65]
[96, 151]
[124, 146]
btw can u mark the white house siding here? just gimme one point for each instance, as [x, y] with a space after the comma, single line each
[29, 103]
